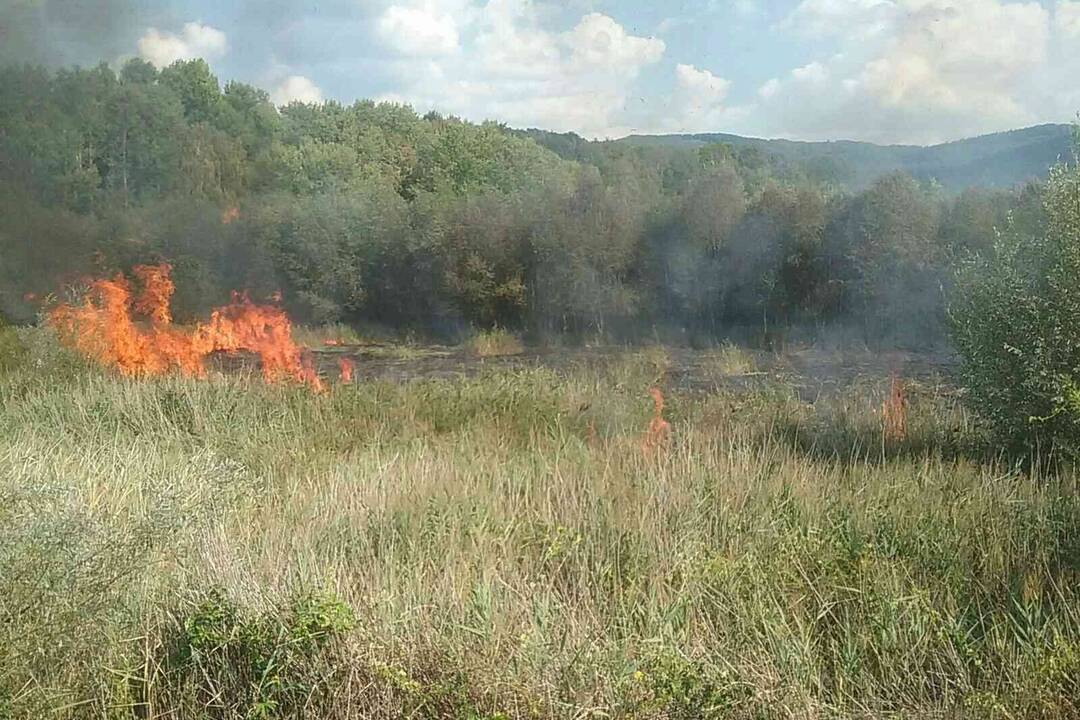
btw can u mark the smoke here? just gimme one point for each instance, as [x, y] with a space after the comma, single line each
[73, 32]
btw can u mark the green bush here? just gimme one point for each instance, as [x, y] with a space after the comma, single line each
[1016, 324]
[265, 664]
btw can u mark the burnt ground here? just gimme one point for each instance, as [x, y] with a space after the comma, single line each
[811, 372]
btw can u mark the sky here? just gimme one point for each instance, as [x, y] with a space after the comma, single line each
[886, 71]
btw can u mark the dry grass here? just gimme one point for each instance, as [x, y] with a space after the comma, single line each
[730, 360]
[326, 335]
[495, 343]
[507, 552]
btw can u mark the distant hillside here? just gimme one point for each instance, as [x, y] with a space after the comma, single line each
[999, 160]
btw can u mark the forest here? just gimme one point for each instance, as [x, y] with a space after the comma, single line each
[372, 215]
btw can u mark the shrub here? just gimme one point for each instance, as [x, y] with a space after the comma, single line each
[1016, 324]
[263, 665]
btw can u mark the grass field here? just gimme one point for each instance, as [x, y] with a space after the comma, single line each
[501, 546]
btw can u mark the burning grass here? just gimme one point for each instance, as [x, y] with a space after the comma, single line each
[499, 547]
[104, 327]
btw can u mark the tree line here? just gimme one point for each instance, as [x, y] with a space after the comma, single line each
[371, 213]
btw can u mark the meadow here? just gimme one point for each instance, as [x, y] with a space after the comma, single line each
[512, 544]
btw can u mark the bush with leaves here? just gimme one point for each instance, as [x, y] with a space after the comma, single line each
[1016, 324]
[253, 666]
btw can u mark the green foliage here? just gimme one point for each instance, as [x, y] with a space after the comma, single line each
[368, 213]
[266, 665]
[675, 687]
[1017, 327]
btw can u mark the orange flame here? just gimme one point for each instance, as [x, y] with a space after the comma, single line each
[346, 366]
[230, 214]
[658, 433]
[103, 329]
[893, 411]
[157, 291]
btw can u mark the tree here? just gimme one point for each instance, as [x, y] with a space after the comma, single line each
[197, 88]
[1016, 324]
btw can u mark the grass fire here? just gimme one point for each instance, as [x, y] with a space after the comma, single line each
[105, 326]
[315, 407]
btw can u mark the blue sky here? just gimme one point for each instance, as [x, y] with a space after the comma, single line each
[913, 71]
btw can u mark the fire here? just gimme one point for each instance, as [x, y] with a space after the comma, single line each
[230, 214]
[157, 291]
[893, 411]
[103, 328]
[658, 433]
[346, 366]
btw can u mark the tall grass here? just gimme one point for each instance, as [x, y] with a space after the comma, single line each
[501, 548]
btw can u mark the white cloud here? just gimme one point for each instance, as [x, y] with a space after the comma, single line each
[921, 70]
[697, 103]
[518, 71]
[1067, 19]
[770, 88]
[194, 41]
[849, 18]
[418, 31]
[701, 83]
[599, 42]
[296, 88]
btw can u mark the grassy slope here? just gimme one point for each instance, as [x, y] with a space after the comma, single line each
[509, 551]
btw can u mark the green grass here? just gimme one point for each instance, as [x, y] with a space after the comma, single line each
[501, 548]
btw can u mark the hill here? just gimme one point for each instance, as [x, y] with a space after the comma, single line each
[1002, 159]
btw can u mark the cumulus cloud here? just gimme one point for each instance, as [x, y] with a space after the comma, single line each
[597, 41]
[418, 31]
[517, 70]
[921, 70]
[296, 88]
[194, 41]
[697, 103]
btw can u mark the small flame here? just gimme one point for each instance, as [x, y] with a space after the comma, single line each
[29, 297]
[658, 433]
[230, 214]
[894, 411]
[103, 329]
[346, 366]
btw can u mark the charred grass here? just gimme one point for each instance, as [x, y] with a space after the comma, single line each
[500, 547]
